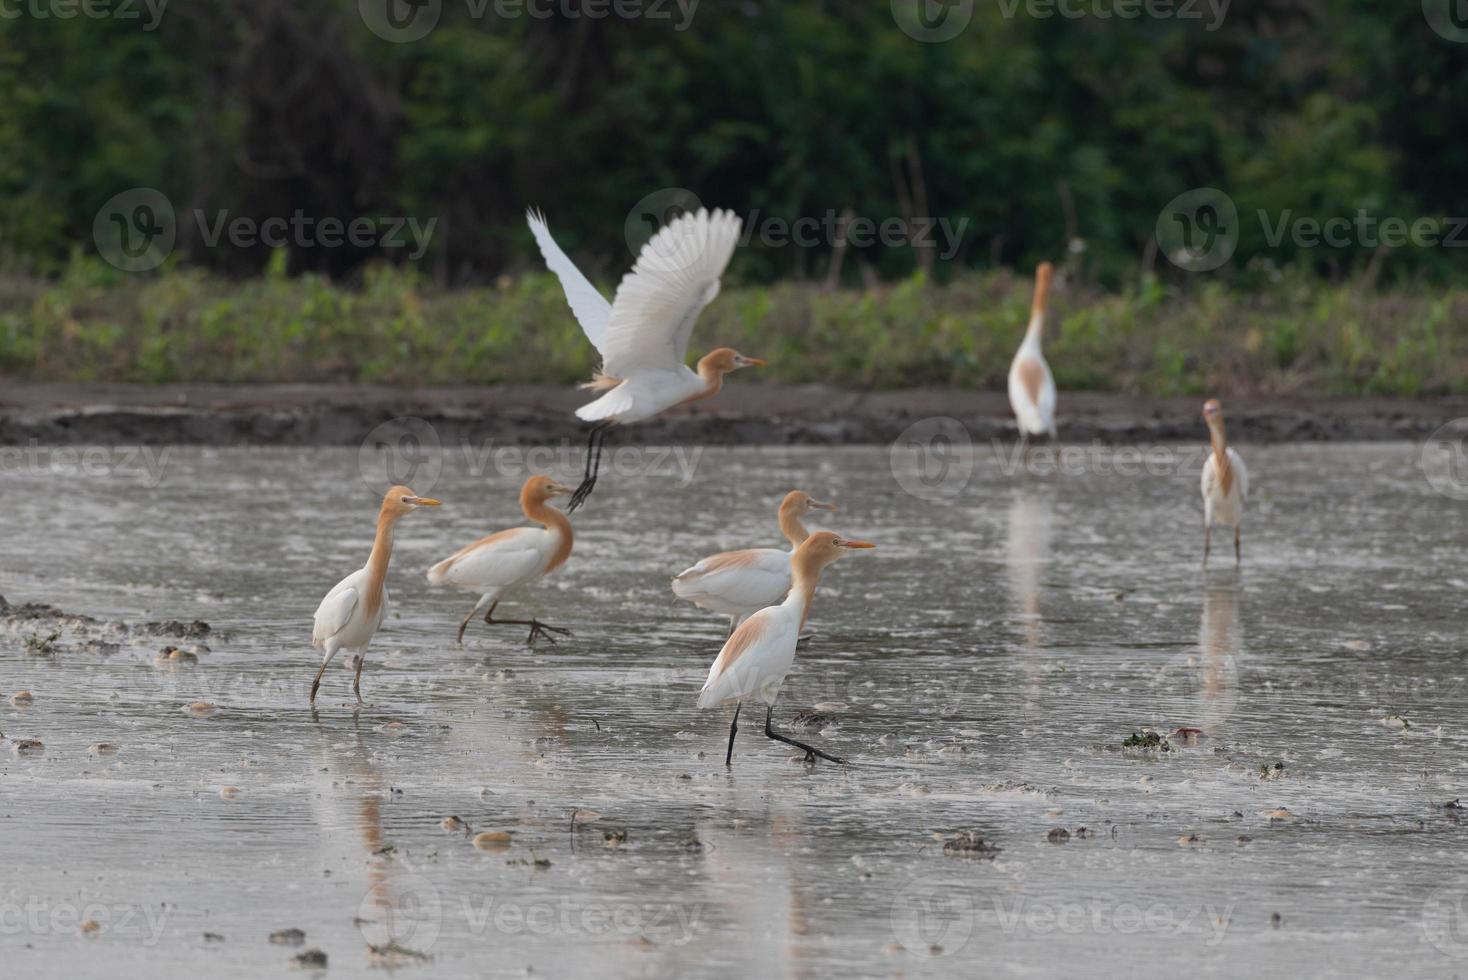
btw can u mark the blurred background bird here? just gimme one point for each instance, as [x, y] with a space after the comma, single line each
[1031, 386]
[739, 583]
[512, 558]
[1225, 482]
[643, 334]
[351, 612]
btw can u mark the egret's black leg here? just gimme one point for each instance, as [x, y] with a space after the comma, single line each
[316, 684]
[357, 680]
[1238, 550]
[733, 727]
[594, 444]
[537, 628]
[1207, 541]
[810, 753]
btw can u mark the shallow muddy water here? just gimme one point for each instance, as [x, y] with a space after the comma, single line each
[982, 668]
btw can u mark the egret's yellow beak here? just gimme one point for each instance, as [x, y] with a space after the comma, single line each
[561, 490]
[423, 502]
[819, 505]
[751, 361]
[857, 544]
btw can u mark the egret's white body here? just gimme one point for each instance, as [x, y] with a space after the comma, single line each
[739, 583]
[1224, 482]
[755, 659]
[643, 334]
[510, 559]
[1031, 385]
[351, 613]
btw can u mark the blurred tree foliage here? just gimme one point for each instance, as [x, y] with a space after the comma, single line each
[1051, 135]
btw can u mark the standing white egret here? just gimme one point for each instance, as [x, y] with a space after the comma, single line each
[643, 334]
[349, 616]
[1031, 386]
[1225, 482]
[740, 583]
[508, 559]
[754, 661]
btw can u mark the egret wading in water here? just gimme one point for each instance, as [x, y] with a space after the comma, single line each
[1031, 386]
[754, 661]
[740, 583]
[508, 559]
[349, 616]
[1225, 482]
[642, 335]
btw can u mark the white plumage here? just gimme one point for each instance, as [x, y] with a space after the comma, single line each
[1031, 385]
[1224, 483]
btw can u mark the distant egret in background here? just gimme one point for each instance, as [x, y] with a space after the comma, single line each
[1225, 482]
[643, 334]
[1031, 386]
[754, 661]
[739, 583]
[508, 559]
[349, 616]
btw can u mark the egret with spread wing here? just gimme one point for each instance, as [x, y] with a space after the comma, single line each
[643, 334]
[739, 583]
[508, 559]
[349, 616]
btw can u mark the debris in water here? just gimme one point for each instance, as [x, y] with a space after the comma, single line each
[1276, 771]
[492, 840]
[199, 709]
[812, 721]
[455, 825]
[1280, 815]
[101, 748]
[311, 959]
[1058, 835]
[393, 728]
[392, 952]
[228, 792]
[42, 646]
[1189, 736]
[27, 746]
[1397, 722]
[173, 657]
[213, 937]
[967, 844]
[90, 927]
[21, 698]
[614, 838]
[288, 937]
[1190, 840]
[1147, 741]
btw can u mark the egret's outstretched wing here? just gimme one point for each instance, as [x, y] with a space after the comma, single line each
[590, 306]
[675, 277]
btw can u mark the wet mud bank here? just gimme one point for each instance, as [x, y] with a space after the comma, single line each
[744, 414]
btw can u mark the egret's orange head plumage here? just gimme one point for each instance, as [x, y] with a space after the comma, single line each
[538, 489]
[400, 500]
[724, 360]
[800, 503]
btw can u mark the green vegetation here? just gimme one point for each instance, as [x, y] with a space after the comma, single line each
[1301, 335]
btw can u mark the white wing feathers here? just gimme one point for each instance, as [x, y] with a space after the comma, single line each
[334, 612]
[675, 277]
[590, 306]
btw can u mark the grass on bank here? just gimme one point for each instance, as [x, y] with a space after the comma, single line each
[1297, 334]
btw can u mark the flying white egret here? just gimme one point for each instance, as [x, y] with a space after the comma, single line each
[643, 334]
[1225, 482]
[739, 583]
[754, 661]
[508, 559]
[1031, 386]
[349, 616]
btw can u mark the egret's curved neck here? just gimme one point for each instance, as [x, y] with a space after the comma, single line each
[806, 575]
[1219, 439]
[713, 380]
[1037, 307]
[555, 522]
[792, 527]
[377, 561]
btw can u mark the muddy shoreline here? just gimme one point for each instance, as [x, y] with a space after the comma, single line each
[744, 414]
